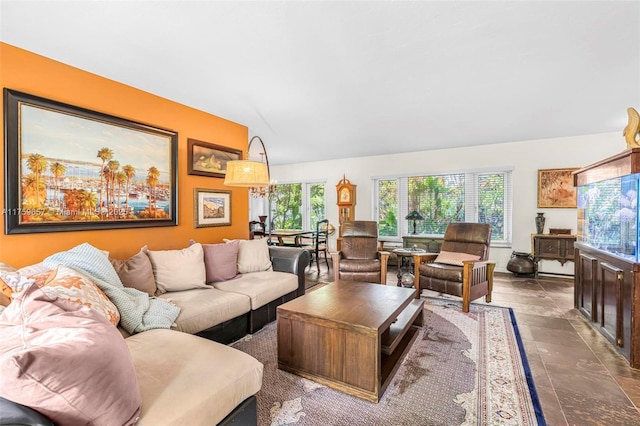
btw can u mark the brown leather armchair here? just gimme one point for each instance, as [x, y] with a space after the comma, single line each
[359, 258]
[461, 268]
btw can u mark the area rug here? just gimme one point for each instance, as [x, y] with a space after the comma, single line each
[463, 369]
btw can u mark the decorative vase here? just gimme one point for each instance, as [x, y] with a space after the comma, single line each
[521, 263]
[540, 223]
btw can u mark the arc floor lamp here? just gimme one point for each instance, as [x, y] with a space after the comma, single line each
[254, 175]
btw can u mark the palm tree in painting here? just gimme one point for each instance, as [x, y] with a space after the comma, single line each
[33, 190]
[37, 164]
[152, 181]
[104, 154]
[121, 178]
[58, 169]
[113, 167]
[129, 172]
[87, 202]
[106, 172]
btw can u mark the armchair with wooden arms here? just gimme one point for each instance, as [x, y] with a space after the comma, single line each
[359, 258]
[462, 268]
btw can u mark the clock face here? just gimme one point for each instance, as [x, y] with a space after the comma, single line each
[345, 195]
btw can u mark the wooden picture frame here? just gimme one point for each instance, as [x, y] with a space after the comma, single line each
[69, 169]
[555, 188]
[208, 159]
[212, 207]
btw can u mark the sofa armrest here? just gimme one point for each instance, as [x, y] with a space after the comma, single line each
[293, 260]
[12, 413]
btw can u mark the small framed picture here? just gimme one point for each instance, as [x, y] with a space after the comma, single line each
[207, 159]
[212, 207]
[555, 188]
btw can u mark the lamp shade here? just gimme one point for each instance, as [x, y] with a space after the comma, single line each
[415, 215]
[247, 173]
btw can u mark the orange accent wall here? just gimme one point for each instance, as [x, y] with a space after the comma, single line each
[34, 74]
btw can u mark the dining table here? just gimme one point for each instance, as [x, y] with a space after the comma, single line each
[290, 237]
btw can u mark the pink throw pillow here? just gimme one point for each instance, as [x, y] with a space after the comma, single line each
[67, 362]
[136, 272]
[220, 260]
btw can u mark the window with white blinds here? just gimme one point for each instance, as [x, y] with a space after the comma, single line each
[298, 205]
[484, 197]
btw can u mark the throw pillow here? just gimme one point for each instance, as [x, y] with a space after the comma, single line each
[16, 281]
[136, 272]
[68, 284]
[33, 269]
[253, 256]
[176, 270]
[455, 258]
[220, 261]
[67, 362]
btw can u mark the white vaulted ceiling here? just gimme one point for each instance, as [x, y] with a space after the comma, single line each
[322, 80]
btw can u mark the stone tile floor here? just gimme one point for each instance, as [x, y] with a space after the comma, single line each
[579, 376]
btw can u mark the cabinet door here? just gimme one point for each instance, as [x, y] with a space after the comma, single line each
[611, 318]
[547, 248]
[586, 300]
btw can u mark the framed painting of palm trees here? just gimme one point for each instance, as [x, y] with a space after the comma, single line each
[69, 168]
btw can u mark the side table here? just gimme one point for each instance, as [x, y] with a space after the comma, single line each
[405, 262]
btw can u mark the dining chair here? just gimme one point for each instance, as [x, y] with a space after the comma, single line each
[256, 229]
[319, 243]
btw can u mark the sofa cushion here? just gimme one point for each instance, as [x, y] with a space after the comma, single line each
[70, 285]
[201, 309]
[136, 272]
[455, 258]
[253, 256]
[261, 287]
[66, 361]
[221, 261]
[176, 270]
[188, 380]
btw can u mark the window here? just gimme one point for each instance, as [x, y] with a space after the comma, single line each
[387, 207]
[298, 205]
[456, 197]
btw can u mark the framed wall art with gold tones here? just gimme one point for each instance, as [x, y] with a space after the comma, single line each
[555, 188]
[68, 168]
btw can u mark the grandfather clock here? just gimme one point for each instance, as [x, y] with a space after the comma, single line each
[346, 196]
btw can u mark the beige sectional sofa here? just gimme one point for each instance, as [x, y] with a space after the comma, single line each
[185, 379]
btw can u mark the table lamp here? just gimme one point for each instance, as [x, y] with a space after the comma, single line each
[414, 216]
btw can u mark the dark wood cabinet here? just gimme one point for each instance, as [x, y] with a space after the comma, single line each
[558, 247]
[607, 292]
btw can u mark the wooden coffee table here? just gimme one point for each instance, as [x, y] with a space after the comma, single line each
[350, 336]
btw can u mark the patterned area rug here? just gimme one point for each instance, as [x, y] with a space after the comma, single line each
[463, 369]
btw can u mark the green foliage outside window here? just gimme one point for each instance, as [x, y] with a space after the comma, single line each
[388, 208]
[316, 195]
[491, 203]
[442, 199]
[439, 198]
[287, 205]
